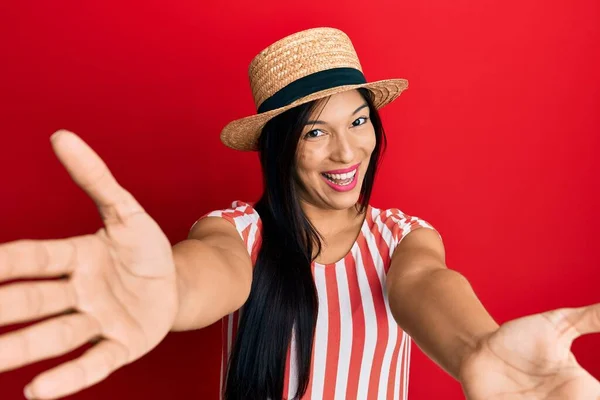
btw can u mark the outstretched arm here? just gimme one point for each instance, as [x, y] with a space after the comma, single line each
[529, 357]
[435, 305]
[214, 274]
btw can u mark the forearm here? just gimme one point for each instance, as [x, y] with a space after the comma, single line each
[208, 285]
[440, 311]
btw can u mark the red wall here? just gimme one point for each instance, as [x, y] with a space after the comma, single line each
[494, 142]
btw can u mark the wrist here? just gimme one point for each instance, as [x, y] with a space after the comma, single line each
[179, 295]
[471, 349]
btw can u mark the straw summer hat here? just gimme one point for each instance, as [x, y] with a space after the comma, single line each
[300, 68]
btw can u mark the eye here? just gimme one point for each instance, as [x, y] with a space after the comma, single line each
[357, 122]
[313, 134]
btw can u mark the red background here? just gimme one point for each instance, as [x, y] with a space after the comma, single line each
[494, 142]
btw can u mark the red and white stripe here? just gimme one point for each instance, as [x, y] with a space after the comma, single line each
[359, 351]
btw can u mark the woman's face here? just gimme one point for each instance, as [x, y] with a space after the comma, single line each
[334, 152]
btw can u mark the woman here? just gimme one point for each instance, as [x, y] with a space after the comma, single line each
[267, 268]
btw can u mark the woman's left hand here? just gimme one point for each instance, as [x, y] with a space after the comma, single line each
[530, 358]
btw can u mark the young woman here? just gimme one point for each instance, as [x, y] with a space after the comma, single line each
[319, 291]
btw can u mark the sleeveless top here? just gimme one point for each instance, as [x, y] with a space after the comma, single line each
[359, 351]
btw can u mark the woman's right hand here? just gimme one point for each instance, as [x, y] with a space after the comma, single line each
[117, 287]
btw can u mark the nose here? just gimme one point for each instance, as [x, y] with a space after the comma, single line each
[342, 149]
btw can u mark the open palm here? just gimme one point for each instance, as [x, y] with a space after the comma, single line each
[116, 287]
[530, 358]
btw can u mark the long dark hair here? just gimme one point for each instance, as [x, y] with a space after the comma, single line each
[283, 294]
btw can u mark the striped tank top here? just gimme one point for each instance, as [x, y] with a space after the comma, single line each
[359, 351]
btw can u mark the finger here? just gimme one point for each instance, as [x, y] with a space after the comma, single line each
[21, 302]
[46, 339]
[92, 175]
[38, 258]
[574, 322]
[92, 367]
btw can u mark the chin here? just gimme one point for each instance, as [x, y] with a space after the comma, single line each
[346, 205]
[344, 201]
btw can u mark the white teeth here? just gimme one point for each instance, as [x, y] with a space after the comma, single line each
[339, 178]
[347, 175]
[340, 183]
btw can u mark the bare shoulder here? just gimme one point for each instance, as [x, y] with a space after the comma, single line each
[220, 233]
[212, 226]
[422, 241]
[421, 250]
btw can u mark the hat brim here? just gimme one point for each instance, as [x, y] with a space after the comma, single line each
[242, 134]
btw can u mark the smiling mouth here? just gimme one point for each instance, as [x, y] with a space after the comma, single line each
[341, 179]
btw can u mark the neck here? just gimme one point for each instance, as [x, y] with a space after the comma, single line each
[329, 222]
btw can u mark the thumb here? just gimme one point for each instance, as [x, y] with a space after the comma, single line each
[92, 175]
[575, 322]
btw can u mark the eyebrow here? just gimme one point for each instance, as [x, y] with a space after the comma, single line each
[325, 123]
